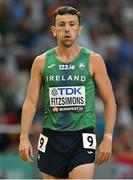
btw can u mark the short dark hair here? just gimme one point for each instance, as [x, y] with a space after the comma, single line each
[66, 10]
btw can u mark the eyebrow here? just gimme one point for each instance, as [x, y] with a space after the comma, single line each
[66, 22]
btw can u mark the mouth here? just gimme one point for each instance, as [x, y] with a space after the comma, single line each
[67, 36]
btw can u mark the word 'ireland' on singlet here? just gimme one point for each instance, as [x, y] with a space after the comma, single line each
[68, 92]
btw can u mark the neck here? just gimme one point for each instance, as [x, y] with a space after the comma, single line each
[68, 53]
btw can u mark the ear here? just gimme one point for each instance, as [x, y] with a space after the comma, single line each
[53, 30]
[80, 30]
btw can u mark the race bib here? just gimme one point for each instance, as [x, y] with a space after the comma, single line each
[89, 140]
[67, 98]
[42, 143]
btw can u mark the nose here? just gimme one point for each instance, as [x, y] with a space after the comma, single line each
[67, 27]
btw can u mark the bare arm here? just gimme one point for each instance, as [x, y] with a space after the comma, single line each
[29, 107]
[105, 88]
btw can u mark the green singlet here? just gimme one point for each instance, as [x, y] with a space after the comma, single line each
[69, 93]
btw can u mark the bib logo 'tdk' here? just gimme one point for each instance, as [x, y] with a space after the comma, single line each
[67, 98]
[66, 91]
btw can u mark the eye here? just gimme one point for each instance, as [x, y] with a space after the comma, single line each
[61, 24]
[72, 24]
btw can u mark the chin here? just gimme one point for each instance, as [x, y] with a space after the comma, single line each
[67, 44]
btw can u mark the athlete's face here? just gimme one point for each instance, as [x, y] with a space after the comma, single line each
[66, 29]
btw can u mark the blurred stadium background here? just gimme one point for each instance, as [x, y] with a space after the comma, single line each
[25, 33]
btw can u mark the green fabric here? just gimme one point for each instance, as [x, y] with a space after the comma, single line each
[71, 74]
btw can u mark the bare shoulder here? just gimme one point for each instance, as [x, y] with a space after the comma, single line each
[39, 62]
[96, 58]
[96, 62]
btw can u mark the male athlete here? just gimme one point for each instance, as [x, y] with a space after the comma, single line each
[68, 74]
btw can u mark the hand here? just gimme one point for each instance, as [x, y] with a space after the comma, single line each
[25, 150]
[104, 151]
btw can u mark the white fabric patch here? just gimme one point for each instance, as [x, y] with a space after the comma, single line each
[42, 143]
[67, 96]
[89, 140]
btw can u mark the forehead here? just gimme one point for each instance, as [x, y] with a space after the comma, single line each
[66, 18]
